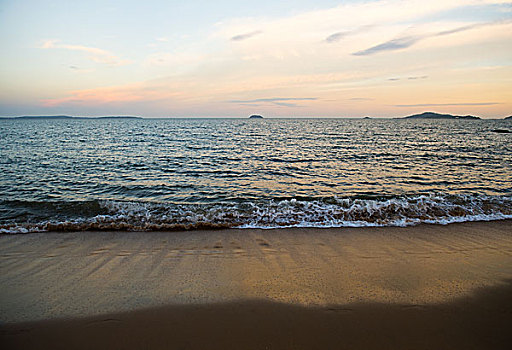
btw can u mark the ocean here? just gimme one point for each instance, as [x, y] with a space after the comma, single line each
[179, 174]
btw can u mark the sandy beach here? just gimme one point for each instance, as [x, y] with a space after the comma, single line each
[423, 287]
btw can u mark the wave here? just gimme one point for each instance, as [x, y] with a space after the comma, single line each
[26, 217]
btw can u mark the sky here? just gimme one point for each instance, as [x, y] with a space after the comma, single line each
[227, 58]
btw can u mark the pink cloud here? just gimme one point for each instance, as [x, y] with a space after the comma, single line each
[96, 54]
[115, 94]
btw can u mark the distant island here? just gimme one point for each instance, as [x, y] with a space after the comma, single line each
[256, 116]
[118, 117]
[508, 118]
[44, 117]
[69, 117]
[432, 115]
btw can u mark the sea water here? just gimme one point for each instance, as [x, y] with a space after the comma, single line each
[165, 174]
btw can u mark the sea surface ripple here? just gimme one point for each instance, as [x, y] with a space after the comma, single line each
[148, 174]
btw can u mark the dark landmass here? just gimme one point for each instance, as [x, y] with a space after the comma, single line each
[432, 115]
[255, 116]
[502, 131]
[118, 117]
[508, 118]
[44, 117]
[69, 117]
[367, 118]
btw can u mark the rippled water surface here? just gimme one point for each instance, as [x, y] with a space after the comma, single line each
[189, 173]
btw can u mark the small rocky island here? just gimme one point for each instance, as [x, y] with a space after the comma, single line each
[256, 116]
[432, 115]
[508, 118]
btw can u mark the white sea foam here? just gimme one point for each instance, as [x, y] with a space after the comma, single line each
[325, 213]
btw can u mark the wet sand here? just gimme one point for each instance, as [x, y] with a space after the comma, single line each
[421, 287]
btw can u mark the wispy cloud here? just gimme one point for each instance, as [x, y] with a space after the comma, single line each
[336, 37]
[460, 29]
[414, 77]
[408, 41]
[78, 69]
[286, 104]
[450, 104]
[245, 36]
[179, 60]
[275, 99]
[251, 104]
[361, 99]
[122, 94]
[391, 45]
[96, 54]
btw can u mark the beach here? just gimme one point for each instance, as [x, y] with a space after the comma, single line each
[256, 175]
[427, 286]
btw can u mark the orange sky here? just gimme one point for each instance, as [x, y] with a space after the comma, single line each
[378, 58]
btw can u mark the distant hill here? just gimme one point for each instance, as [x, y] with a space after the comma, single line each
[508, 118]
[118, 117]
[70, 117]
[432, 115]
[256, 116]
[44, 117]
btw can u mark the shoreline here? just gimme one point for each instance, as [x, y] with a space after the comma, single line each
[61, 227]
[329, 212]
[426, 286]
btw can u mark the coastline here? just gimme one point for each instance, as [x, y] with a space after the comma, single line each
[411, 287]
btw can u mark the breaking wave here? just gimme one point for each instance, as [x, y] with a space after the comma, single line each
[26, 217]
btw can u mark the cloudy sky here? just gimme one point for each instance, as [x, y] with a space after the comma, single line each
[228, 58]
